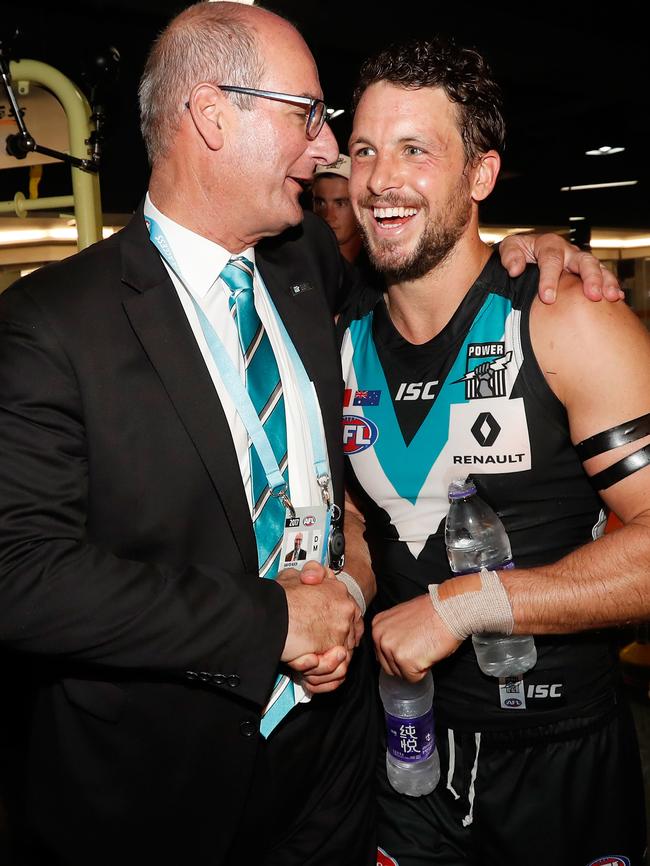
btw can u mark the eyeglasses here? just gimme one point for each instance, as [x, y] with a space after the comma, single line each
[316, 111]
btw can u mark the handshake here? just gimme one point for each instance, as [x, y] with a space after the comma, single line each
[325, 626]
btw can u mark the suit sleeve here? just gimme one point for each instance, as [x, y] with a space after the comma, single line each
[62, 596]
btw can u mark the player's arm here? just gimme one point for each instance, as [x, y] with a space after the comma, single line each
[357, 555]
[555, 257]
[596, 358]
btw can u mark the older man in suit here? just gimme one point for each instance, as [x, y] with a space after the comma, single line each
[134, 527]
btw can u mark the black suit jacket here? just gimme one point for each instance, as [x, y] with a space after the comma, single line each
[128, 565]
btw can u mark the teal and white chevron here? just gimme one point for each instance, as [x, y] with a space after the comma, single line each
[410, 482]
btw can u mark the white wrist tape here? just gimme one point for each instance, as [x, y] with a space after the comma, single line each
[486, 609]
[353, 588]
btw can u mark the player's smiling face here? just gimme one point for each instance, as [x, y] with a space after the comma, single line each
[409, 186]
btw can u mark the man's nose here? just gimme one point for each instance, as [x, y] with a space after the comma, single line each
[385, 175]
[325, 147]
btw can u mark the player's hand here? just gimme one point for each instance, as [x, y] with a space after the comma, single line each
[329, 672]
[410, 638]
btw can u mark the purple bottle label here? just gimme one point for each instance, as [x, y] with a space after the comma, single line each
[410, 740]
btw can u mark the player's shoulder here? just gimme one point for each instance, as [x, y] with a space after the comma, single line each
[583, 328]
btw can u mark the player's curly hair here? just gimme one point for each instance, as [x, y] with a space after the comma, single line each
[462, 73]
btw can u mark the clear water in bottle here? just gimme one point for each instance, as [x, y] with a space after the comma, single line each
[476, 538]
[412, 760]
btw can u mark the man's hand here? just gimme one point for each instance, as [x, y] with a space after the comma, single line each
[554, 255]
[410, 638]
[328, 674]
[322, 615]
[326, 671]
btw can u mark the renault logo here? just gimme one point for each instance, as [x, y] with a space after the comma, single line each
[485, 429]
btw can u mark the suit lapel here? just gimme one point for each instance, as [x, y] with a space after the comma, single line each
[159, 320]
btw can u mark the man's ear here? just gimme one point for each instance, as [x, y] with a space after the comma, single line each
[486, 172]
[207, 106]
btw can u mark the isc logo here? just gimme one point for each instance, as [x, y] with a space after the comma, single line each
[416, 391]
[358, 434]
[544, 691]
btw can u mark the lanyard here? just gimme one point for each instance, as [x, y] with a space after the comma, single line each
[239, 395]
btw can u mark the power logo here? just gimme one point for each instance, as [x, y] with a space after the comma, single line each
[384, 859]
[358, 434]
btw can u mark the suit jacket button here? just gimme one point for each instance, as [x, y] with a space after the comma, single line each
[247, 728]
[233, 681]
[191, 675]
[205, 676]
[219, 679]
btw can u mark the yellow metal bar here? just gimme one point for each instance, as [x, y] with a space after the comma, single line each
[20, 205]
[85, 185]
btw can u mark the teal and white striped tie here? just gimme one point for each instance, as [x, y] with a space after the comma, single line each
[265, 390]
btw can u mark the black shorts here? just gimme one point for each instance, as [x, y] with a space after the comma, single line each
[566, 794]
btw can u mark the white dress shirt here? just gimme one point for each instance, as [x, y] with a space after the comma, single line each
[200, 261]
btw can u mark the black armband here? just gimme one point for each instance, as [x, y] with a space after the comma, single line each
[617, 471]
[629, 431]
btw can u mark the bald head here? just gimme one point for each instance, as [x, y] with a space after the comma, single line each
[218, 43]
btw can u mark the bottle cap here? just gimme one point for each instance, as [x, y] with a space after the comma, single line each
[460, 488]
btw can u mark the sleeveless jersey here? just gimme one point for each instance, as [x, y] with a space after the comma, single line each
[471, 401]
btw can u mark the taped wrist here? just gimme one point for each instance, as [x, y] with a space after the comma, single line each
[353, 588]
[473, 604]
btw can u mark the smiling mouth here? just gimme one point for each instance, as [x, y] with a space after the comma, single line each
[393, 217]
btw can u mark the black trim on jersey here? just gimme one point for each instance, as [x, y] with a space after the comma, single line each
[628, 431]
[617, 471]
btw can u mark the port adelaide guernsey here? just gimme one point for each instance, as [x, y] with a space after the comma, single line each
[471, 401]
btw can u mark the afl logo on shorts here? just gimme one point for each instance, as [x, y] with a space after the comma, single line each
[384, 859]
[611, 860]
[358, 434]
[309, 520]
[512, 702]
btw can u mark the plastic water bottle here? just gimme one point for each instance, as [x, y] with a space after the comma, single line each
[475, 539]
[412, 760]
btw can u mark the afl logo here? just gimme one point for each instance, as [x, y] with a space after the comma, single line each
[611, 860]
[358, 434]
[512, 702]
[309, 520]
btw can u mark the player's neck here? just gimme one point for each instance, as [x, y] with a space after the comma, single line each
[421, 308]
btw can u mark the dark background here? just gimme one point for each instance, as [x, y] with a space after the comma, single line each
[573, 79]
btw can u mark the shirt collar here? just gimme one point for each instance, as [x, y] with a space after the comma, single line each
[200, 260]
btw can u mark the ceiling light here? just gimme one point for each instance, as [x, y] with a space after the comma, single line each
[598, 185]
[605, 150]
[337, 113]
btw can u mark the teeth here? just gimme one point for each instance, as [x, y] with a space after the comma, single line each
[388, 212]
